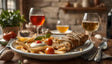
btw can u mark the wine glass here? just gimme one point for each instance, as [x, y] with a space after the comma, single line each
[61, 26]
[91, 23]
[37, 18]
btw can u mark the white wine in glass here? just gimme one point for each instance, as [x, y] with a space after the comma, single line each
[90, 26]
[90, 23]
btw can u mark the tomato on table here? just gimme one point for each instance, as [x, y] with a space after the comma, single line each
[12, 34]
[8, 36]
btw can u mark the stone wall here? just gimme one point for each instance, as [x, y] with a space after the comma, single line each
[51, 8]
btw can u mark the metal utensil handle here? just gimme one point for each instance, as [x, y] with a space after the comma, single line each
[98, 55]
[106, 56]
[7, 46]
[92, 57]
[2, 50]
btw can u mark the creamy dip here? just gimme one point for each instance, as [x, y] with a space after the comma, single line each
[35, 44]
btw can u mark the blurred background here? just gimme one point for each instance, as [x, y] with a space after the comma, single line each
[69, 11]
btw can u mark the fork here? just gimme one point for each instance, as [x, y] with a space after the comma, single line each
[102, 46]
[90, 55]
[87, 43]
[7, 46]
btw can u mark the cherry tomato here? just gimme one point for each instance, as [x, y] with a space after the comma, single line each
[49, 50]
[49, 41]
[39, 42]
[8, 36]
[12, 34]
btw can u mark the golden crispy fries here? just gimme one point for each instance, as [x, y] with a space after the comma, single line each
[17, 41]
[40, 52]
[23, 44]
[37, 49]
[24, 49]
[31, 39]
[25, 39]
[19, 47]
[34, 36]
[62, 49]
[22, 39]
[59, 52]
[27, 44]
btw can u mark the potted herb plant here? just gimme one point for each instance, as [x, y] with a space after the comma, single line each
[11, 21]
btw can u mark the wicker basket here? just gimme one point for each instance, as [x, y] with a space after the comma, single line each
[8, 29]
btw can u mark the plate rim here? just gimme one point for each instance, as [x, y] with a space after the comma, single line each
[71, 53]
[59, 32]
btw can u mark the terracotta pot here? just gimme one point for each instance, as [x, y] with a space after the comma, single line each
[8, 29]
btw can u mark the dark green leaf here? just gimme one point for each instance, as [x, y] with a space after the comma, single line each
[11, 19]
[41, 37]
[48, 35]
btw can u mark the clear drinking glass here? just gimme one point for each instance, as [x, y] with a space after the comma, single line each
[61, 26]
[90, 23]
[1, 33]
[37, 18]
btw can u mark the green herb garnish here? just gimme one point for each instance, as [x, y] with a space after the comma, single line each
[41, 37]
[48, 35]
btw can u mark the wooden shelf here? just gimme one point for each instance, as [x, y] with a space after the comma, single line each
[88, 9]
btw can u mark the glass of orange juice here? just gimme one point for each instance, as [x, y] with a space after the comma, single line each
[61, 26]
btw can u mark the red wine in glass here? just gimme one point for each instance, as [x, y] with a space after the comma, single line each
[37, 19]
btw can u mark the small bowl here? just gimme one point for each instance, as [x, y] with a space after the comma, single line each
[24, 33]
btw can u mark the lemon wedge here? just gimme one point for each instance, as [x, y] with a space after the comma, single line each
[22, 39]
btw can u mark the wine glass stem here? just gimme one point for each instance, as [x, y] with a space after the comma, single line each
[90, 33]
[38, 27]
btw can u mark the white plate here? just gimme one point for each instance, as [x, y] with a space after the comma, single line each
[51, 56]
[57, 32]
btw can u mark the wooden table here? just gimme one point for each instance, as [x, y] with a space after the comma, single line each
[77, 60]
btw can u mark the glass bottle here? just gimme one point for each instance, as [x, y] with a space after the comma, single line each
[109, 25]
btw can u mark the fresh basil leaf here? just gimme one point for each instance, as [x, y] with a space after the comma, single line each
[48, 35]
[41, 37]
